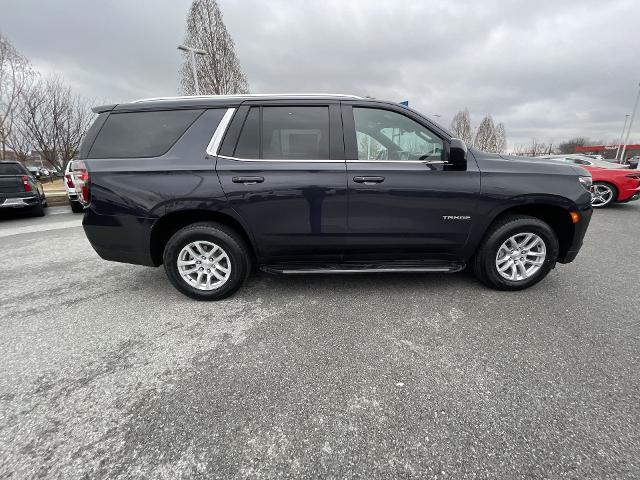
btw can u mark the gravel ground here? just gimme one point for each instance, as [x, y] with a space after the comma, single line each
[107, 372]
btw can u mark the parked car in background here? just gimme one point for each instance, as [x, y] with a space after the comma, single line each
[69, 186]
[214, 186]
[586, 160]
[633, 162]
[35, 171]
[611, 186]
[20, 189]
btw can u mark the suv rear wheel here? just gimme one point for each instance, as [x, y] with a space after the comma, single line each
[206, 261]
[517, 253]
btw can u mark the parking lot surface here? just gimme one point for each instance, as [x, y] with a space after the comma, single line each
[108, 372]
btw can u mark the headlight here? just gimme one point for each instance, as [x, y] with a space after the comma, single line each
[586, 182]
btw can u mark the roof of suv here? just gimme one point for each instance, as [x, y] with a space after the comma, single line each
[215, 101]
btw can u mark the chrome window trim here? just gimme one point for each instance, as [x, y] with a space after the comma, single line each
[423, 162]
[218, 135]
[289, 160]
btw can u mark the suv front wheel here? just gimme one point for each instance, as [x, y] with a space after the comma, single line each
[206, 261]
[517, 253]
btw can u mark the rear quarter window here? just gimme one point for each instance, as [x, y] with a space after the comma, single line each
[141, 134]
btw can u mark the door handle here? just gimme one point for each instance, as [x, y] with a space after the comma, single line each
[368, 180]
[248, 180]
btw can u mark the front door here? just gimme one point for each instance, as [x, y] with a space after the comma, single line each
[285, 175]
[405, 201]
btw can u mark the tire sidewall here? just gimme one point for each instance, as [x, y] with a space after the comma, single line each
[497, 238]
[76, 207]
[38, 210]
[232, 247]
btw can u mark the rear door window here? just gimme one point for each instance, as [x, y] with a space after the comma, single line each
[295, 133]
[141, 134]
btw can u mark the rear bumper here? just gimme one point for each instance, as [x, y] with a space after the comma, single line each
[630, 196]
[580, 229]
[19, 202]
[119, 238]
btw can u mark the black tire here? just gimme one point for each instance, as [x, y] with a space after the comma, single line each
[484, 262]
[38, 210]
[76, 207]
[612, 200]
[224, 237]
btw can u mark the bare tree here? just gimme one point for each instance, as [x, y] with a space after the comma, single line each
[55, 119]
[15, 76]
[570, 145]
[20, 138]
[219, 72]
[532, 149]
[486, 135]
[72, 128]
[461, 126]
[501, 138]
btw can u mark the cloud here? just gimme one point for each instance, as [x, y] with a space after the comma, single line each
[548, 69]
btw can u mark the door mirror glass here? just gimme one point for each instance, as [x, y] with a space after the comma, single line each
[457, 154]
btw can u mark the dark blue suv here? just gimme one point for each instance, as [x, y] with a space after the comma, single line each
[213, 187]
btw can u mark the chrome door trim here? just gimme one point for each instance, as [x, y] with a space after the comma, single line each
[278, 160]
[423, 162]
[216, 139]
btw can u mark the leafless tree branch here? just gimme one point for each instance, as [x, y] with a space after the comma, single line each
[15, 76]
[219, 72]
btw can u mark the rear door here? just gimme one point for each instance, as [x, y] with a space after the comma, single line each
[282, 168]
[405, 201]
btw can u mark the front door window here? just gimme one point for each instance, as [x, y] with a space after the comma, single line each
[387, 135]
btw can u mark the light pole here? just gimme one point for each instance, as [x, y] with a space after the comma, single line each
[633, 116]
[193, 52]
[624, 127]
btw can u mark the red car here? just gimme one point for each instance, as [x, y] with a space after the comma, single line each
[613, 185]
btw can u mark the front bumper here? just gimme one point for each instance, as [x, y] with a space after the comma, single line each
[580, 229]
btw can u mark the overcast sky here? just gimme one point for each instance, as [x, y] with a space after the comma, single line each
[547, 69]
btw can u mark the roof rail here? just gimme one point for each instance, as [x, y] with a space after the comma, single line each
[245, 95]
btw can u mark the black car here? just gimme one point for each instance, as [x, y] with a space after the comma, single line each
[19, 189]
[212, 187]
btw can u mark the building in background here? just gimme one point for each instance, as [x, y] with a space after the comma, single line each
[609, 151]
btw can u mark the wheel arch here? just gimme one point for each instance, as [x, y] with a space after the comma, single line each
[556, 216]
[168, 224]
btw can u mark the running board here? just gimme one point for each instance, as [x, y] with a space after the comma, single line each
[387, 267]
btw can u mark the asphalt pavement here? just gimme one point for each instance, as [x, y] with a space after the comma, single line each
[108, 372]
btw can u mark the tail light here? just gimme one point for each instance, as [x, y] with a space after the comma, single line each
[81, 181]
[69, 181]
[26, 184]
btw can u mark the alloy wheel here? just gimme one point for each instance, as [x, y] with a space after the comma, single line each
[204, 265]
[601, 195]
[521, 256]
